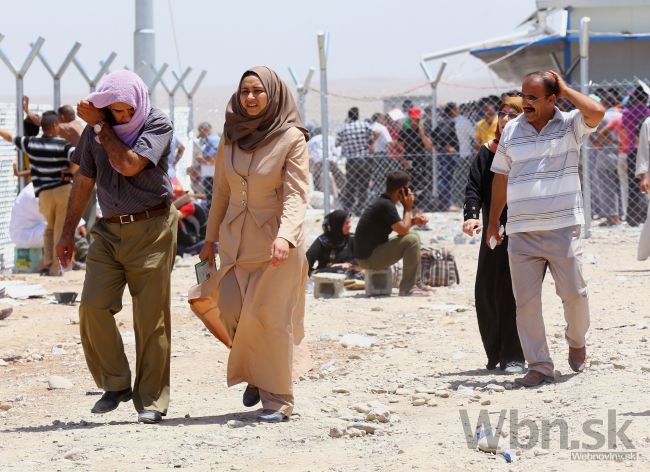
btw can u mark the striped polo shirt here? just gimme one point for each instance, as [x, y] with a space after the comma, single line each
[544, 191]
[49, 159]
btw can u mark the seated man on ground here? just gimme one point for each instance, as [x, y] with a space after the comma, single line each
[373, 250]
[333, 250]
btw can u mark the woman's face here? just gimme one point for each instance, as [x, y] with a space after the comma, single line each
[506, 114]
[252, 96]
[122, 112]
[346, 227]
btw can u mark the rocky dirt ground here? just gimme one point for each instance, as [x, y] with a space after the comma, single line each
[393, 402]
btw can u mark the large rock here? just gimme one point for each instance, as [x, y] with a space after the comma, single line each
[56, 382]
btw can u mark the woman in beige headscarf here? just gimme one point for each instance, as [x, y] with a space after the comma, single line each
[257, 215]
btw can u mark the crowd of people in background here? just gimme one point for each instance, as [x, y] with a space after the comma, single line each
[363, 151]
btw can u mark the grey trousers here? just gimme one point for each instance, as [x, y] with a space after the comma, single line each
[528, 254]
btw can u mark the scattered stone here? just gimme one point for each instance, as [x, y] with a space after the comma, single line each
[419, 402]
[458, 355]
[56, 382]
[427, 390]
[329, 366]
[378, 390]
[235, 424]
[441, 393]
[357, 340]
[379, 412]
[75, 455]
[3, 363]
[5, 406]
[403, 391]
[36, 357]
[486, 402]
[336, 432]
[465, 390]
[354, 357]
[645, 368]
[368, 428]
[361, 407]
[356, 433]
[548, 400]
[58, 351]
[539, 451]
[340, 390]
[619, 366]
[495, 388]
[432, 402]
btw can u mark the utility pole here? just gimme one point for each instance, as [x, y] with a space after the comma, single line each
[144, 39]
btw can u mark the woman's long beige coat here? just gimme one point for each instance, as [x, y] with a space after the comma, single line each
[259, 196]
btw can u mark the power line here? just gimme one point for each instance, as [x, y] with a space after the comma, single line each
[171, 19]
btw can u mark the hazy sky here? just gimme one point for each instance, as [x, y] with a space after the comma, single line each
[369, 38]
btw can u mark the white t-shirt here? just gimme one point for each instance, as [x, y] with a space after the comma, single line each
[383, 140]
[315, 148]
[544, 191]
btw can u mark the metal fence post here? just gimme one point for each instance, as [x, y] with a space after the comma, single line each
[302, 88]
[190, 98]
[151, 81]
[323, 46]
[171, 91]
[434, 114]
[20, 75]
[584, 88]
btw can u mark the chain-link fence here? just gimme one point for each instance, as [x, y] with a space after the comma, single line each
[438, 149]
[435, 149]
[616, 196]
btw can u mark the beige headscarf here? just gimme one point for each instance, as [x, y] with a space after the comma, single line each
[280, 114]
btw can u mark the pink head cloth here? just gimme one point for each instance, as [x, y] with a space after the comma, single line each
[126, 87]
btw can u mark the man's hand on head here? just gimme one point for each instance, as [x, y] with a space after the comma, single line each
[89, 113]
[561, 84]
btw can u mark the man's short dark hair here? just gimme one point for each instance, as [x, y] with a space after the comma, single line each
[407, 104]
[639, 95]
[49, 120]
[397, 180]
[551, 87]
[375, 117]
[67, 112]
[449, 108]
[353, 114]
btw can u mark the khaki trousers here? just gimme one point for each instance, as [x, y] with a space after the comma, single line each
[528, 254]
[402, 247]
[53, 204]
[139, 255]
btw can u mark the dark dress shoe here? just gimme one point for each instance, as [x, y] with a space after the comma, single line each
[272, 416]
[251, 396]
[533, 378]
[111, 400]
[577, 358]
[149, 417]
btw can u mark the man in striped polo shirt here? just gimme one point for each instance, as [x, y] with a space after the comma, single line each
[536, 166]
[51, 172]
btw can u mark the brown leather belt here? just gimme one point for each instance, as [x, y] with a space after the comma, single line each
[158, 210]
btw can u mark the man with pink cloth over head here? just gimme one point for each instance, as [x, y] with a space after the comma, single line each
[125, 150]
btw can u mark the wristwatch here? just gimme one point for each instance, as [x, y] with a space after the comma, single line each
[98, 127]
